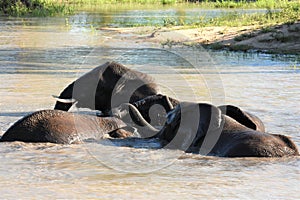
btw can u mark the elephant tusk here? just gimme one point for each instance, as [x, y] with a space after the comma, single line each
[73, 107]
[63, 100]
[171, 107]
[137, 114]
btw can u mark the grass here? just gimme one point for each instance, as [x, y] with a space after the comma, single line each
[67, 7]
[229, 18]
[154, 4]
[288, 15]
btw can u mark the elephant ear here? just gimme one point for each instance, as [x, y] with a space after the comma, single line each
[241, 116]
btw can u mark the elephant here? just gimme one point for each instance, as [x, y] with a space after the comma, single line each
[204, 129]
[108, 85]
[146, 114]
[154, 108]
[56, 126]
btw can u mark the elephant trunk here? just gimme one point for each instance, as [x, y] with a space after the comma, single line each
[170, 105]
[137, 116]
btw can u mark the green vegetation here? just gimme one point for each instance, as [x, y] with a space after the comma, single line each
[270, 4]
[215, 46]
[289, 13]
[294, 66]
[66, 7]
[244, 48]
[33, 8]
[267, 29]
[244, 36]
[245, 4]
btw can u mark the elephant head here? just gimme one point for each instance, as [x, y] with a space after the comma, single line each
[147, 114]
[202, 128]
[188, 124]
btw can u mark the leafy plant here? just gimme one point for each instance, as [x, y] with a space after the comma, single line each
[33, 8]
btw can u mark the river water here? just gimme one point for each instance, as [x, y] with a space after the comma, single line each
[39, 57]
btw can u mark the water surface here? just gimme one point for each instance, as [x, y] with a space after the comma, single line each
[39, 58]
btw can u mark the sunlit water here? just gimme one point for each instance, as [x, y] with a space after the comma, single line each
[38, 59]
[154, 16]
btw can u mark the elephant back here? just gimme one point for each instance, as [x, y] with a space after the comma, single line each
[107, 86]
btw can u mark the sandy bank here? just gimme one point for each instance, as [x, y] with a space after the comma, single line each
[274, 39]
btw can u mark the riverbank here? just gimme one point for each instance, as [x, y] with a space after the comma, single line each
[282, 39]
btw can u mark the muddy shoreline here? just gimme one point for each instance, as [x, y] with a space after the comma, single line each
[280, 39]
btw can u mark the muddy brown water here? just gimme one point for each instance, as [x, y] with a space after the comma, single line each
[40, 58]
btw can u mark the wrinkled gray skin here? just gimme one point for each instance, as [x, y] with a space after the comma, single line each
[107, 86]
[151, 110]
[247, 119]
[57, 126]
[202, 128]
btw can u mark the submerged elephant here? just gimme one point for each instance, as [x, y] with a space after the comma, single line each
[154, 108]
[107, 86]
[202, 128]
[147, 114]
[57, 126]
